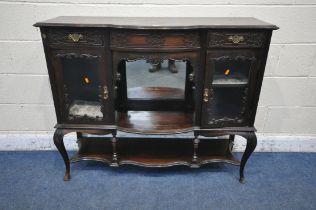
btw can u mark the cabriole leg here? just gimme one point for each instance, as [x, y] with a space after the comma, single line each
[251, 145]
[59, 143]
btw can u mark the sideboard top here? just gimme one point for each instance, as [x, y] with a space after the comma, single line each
[157, 22]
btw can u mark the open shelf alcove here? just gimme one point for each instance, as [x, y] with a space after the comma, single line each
[155, 92]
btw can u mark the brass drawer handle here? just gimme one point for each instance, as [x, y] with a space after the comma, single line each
[205, 95]
[75, 37]
[105, 93]
[236, 39]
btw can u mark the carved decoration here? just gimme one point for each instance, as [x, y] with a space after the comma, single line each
[244, 101]
[123, 39]
[233, 58]
[84, 118]
[222, 121]
[119, 39]
[153, 58]
[155, 40]
[191, 40]
[77, 55]
[89, 37]
[66, 97]
[220, 39]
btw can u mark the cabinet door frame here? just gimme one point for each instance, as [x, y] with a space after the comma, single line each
[104, 76]
[244, 118]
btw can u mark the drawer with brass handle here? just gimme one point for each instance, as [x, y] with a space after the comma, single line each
[85, 37]
[233, 39]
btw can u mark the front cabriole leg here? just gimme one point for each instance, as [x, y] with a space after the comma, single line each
[59, 143]
[251, 145]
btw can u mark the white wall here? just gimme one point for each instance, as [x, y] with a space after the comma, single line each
[288, 99]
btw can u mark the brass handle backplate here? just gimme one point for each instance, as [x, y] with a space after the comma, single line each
[75, 37]
[236, 39]
[205, 95]
[105, 93]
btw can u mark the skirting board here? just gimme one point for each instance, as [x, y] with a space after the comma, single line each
[266, 143]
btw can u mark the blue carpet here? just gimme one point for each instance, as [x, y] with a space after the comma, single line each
[33, 180]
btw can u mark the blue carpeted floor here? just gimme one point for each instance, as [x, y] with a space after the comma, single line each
[33, 180]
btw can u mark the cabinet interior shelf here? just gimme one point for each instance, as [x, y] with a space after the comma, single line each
[153, 93]
[230, 82]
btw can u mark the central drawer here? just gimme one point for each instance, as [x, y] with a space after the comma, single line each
[155, 39]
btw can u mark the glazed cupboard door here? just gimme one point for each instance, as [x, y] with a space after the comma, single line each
[228, 88]
[84, 89]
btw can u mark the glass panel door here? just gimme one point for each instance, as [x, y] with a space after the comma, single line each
[83, 88]
[227, 89]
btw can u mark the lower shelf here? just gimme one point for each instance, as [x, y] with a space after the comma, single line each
[155, 152]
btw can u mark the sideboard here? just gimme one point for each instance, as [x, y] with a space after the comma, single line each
[89, 59]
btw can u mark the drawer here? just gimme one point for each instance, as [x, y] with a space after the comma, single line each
[155, 39]
[75, 37]
[218, 39]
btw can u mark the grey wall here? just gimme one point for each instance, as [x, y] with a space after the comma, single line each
[287, 104]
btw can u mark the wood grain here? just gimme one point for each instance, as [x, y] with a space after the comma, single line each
[155, 122]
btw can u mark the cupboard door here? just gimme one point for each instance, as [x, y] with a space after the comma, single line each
[84, 90]
[228, 88]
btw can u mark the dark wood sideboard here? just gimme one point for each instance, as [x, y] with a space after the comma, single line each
[87, 60]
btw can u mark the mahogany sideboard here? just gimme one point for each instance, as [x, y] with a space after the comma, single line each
[87, 60]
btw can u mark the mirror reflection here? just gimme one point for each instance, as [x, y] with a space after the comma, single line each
[156, 81]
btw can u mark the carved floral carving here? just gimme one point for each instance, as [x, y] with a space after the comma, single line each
[233, 58]
[155, 40]
[224, 120]
[77, 55]
[154, 58]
